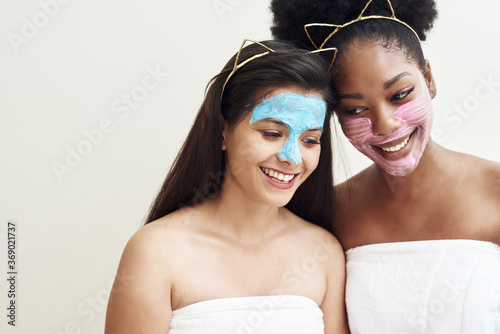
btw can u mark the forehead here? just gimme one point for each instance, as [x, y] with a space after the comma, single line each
[370, 63]
[293, 109]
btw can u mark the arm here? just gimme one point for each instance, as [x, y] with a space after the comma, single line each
[333, 306]
[140, 299]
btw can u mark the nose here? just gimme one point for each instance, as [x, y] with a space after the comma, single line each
[290, 152]
[384, 121]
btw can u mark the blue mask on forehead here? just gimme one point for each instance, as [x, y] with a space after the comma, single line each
[298, 112]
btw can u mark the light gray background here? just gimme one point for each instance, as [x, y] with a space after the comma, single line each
[67, 77]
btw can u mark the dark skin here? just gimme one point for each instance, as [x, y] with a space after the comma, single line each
[449, 195]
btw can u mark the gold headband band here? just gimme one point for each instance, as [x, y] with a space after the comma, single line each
[269, 50]
[359, 18]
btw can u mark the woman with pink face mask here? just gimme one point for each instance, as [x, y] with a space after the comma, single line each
[421, 226]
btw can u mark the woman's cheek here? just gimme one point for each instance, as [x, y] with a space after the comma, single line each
[356, 129]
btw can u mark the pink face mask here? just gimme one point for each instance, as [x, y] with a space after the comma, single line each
[416, 117]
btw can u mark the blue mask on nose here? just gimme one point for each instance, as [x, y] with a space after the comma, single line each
[298, 112]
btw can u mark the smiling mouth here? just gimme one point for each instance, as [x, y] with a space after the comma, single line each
[277, 176]
[398, 147]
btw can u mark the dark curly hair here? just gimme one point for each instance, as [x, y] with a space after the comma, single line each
[290, 16]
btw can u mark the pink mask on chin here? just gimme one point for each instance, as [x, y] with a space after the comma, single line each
[416, 117]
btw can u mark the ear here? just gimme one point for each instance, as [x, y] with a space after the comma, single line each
[429, 79]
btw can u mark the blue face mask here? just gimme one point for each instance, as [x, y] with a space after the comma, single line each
[298, 112]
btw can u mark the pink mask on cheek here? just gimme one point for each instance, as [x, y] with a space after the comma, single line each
[416, 117]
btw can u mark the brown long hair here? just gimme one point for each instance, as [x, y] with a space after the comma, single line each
[197, 173]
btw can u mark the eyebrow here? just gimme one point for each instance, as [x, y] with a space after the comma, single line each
[315, 129]
[272, 120]
[280, 123]
[351, 96]
[391, 82]
[387, 85]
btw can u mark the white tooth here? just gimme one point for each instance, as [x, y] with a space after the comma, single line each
[397, 147]
[283, 178]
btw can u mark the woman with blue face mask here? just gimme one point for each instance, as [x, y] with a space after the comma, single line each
[420, 226]
[237, 239]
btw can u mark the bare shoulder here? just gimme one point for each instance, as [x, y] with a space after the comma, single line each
[490, 180]
[158, 238]
[329, 248]
[140, 300]
[486, 174]
[326, 252]
[318, 242]
[482, 189]
[492, 175]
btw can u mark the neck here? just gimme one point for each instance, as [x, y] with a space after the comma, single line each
[430, 170]
[242, 218]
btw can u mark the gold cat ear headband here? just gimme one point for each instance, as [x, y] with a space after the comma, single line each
[359, 18]
[268, 50]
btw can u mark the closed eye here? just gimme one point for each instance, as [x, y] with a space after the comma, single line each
[311, 141]
[271, 134]
[313, 136]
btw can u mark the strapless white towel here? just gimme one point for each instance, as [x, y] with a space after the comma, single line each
[431, 287]
[249, 315]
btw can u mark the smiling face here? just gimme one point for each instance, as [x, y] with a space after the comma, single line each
[385, 106]
[273, 150]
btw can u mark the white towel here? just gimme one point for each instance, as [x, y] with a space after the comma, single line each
[249, 315]
[432, 287]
